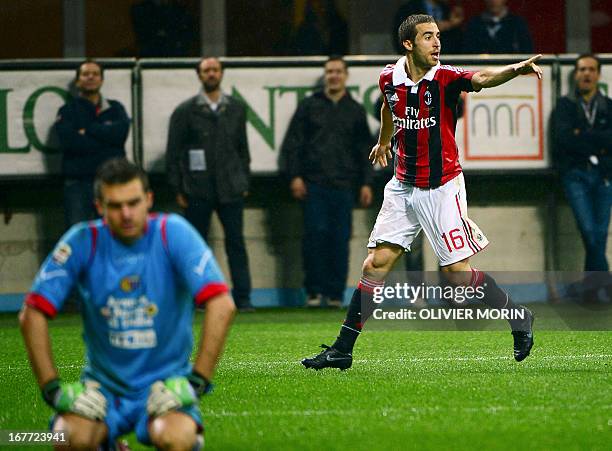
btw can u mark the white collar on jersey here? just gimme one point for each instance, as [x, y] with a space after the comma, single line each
[400, 77]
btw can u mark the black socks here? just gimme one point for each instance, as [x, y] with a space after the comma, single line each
[360, 309]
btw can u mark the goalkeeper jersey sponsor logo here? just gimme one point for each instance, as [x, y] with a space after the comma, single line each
[124, 313]
[131, 322]
[133, 339]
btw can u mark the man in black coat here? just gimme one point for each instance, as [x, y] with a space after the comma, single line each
[207, 163]
[497, 30]
[582, 126]
[325, 157]
[91, 130]
[449, 22]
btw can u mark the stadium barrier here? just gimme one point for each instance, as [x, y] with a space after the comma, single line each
[501, 131]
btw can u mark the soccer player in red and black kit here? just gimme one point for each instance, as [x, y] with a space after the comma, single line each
[427, 192]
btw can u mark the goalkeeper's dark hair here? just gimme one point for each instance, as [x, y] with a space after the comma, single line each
[407, 30]
[118, 171]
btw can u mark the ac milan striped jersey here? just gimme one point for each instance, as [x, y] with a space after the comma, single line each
[424, 116]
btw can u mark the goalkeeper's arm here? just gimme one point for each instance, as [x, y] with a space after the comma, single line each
[35, 331]
[178, 392]
[83, 399]
[220, 312]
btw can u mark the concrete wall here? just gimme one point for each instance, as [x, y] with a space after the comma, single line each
[273, 239]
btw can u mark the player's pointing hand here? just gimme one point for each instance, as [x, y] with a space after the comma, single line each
[380, 154]
[529, 66]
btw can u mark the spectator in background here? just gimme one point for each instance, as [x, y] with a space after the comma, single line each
[325, 157]
[163, 28]
[321, 31]
[208, 160]
[449, 22]
[583, 144]
[91, 130]
[497, 30]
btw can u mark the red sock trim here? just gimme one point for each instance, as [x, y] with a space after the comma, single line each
[368, 285]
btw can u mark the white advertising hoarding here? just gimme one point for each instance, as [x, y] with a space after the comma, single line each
[501, 128]
[29, 101]
[505, 127]
[271, 96]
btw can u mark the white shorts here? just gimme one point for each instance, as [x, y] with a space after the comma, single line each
[441, 212]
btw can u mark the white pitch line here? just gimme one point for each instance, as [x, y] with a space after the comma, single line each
[246, 363]
[61, 367]
[403, 411]
[424, 359]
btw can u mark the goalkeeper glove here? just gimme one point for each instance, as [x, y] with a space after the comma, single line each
[85, 399]
[175, 393]
[200, 384]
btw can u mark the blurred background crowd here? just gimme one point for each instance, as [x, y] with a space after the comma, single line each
[175, 28]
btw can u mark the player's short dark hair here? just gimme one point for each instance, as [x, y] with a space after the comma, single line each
[337, 58]
[89, 61]
[588, 55]
[118, 171]
[407, 30]
[197, 67]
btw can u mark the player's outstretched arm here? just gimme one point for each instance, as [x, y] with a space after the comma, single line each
[495, 76]
[381, 152]
[220, 312]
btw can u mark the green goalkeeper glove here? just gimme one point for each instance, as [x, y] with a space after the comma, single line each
[84, 399]
[175, 393]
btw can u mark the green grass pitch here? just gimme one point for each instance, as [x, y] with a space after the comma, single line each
[424, 390]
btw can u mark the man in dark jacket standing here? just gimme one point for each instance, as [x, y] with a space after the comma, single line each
[325, 157]
[91, 130]
[449, 22]
[497, 30]
[207, 162]
[583, 144]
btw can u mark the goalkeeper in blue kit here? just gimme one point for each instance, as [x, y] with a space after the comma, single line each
[140, 276]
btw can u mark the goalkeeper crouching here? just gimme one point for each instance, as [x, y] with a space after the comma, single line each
[140, 276]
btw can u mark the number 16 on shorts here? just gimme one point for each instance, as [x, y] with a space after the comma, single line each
[462, 242]
[454, 237]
